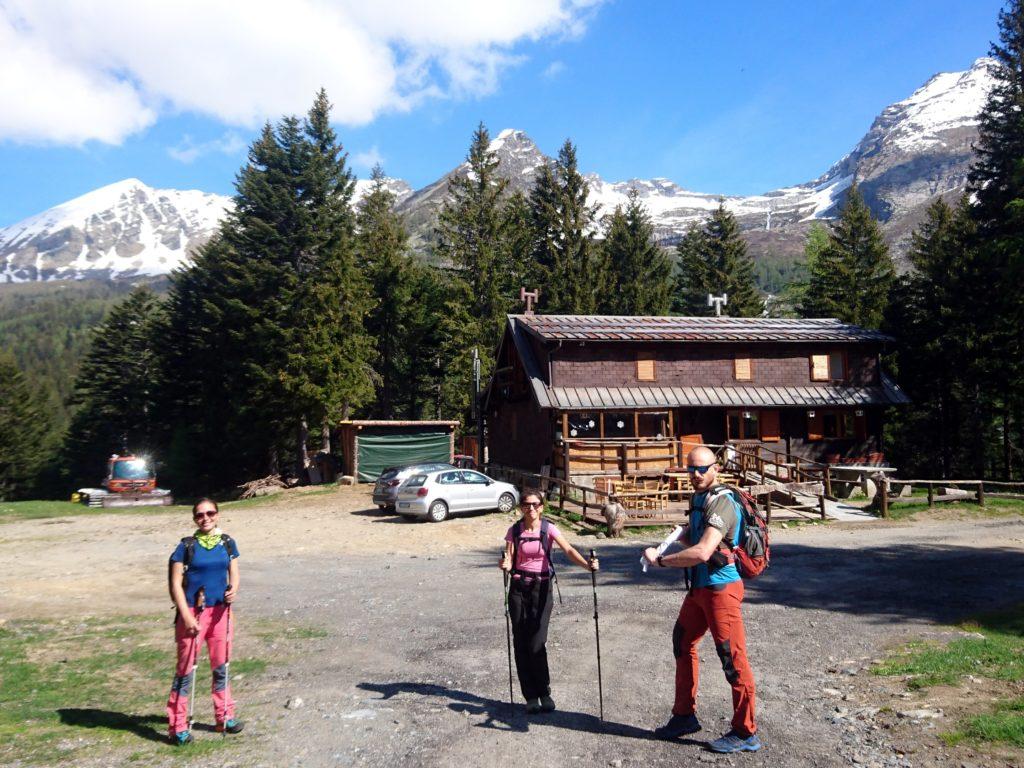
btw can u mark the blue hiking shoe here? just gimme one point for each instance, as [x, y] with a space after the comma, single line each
[733, 742]
[231, 726]
[678, 725]
[181, 738]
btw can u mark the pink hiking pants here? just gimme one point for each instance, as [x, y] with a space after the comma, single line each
[213, 630]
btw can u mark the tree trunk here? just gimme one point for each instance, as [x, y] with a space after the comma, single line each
[325, 436]
[303, 457]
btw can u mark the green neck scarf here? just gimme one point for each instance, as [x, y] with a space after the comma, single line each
[208, 540]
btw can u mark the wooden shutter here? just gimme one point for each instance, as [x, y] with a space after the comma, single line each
[645, 368]
[770, 426]
[742, 369]
[819, 367]
[815, 426]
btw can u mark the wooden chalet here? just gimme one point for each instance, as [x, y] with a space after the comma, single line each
[583, 397]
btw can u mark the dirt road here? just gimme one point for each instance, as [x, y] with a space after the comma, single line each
[413, 669]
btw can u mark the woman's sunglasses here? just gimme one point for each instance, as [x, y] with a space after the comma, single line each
[201, 515]
[530, 504]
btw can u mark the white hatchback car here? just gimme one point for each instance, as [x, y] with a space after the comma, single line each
[436, 495]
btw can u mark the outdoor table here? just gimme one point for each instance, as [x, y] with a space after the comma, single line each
[847, 477]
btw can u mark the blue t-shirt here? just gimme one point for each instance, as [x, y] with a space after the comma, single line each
[209, 570]
[718, 508]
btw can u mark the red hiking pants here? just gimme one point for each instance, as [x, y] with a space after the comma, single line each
[213, 630]
[718, 610]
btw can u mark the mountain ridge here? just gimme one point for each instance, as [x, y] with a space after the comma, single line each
[915, 149]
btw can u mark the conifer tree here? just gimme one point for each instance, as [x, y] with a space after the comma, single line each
[639, 271]
[851, 277]
[383, 252]
[115, 397]
[713, 259]
[25, 434]
[469, 238]
[572, 267]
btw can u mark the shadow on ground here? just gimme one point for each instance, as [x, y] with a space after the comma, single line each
[503, 716]
[904, 580]
[151, 727]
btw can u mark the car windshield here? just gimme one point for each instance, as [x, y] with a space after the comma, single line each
[135, 469]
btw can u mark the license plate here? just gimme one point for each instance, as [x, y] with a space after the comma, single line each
[404, 505]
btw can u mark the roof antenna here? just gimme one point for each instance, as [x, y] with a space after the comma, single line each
[718, 302]
[529, 297]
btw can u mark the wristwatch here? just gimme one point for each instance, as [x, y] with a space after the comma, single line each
[661, 561]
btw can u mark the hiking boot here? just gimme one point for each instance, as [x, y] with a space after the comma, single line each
[547, 704]
[733, 742]
[231, 726]
[533, 706]
[678, 725]
[181, 738]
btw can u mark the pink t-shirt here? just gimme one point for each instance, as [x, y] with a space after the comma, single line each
[530, 553]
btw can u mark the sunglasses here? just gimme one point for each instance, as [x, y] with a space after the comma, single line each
[530, 504]
[201, 515]
[699, 469]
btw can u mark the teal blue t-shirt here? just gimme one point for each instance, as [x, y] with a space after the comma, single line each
[209, 570]
[718, 508]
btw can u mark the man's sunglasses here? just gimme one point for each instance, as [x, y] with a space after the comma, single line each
[201, 515]
[699, 469]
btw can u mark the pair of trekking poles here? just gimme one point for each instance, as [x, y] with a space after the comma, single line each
[597, 637]
[197, 647]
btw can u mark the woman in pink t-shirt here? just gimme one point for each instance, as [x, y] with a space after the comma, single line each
[527, 557]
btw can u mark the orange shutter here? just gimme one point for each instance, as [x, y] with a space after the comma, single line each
[770, 426]
[742, 369]
[815, 426]
[819, 367]
[645, 369]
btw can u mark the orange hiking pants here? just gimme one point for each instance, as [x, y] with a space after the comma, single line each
[716, 609]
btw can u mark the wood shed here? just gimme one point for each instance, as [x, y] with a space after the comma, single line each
[368, 447]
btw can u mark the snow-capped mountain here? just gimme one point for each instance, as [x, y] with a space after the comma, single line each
[915, 150]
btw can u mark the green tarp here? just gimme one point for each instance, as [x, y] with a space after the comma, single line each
[388, 450]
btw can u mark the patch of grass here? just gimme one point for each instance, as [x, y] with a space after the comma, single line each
[306, 633]
[11, 511]
[1004, 724]
[994, 507]
[71, 688]
[998, 653]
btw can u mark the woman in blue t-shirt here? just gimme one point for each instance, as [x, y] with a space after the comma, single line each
[203, 582]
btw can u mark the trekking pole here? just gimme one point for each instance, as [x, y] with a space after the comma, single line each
[196, 647]
[508, 637]
[597, 636]
[227, 664]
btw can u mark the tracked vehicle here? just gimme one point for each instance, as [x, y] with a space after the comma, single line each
[130, 482]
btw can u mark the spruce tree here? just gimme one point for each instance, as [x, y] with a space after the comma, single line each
[115, 397]
[639, 271]
[382, 244]
[851, 277]
[713, 259]
[26, 446]
[469, 238]
[572, 267]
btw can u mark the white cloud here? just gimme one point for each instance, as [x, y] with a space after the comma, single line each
[74, 71]
[553, 70]
[188, 151]
[368, 159]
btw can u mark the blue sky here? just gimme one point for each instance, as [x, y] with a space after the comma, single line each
[727, 97]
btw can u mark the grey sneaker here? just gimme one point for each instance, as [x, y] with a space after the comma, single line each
[547, 704]
[733, 742]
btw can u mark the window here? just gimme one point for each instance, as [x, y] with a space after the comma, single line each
[618, 425]
[584, 425]
[475, 478]
[830, 367]
[449, 478]
[652, 425]
[645, 367]
[743, 369]
[836, 425]
[744, 425]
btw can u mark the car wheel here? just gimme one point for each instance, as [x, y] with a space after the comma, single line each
[391, 509]
[438, 511]
[506, 502]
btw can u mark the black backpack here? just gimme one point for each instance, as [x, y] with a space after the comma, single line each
[190, 552]
[545, 540]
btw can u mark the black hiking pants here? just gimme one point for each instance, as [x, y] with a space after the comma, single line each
[529, 606]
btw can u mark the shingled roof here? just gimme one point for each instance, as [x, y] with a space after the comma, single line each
[700, 329]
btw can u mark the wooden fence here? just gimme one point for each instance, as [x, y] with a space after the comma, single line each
[981, 489]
